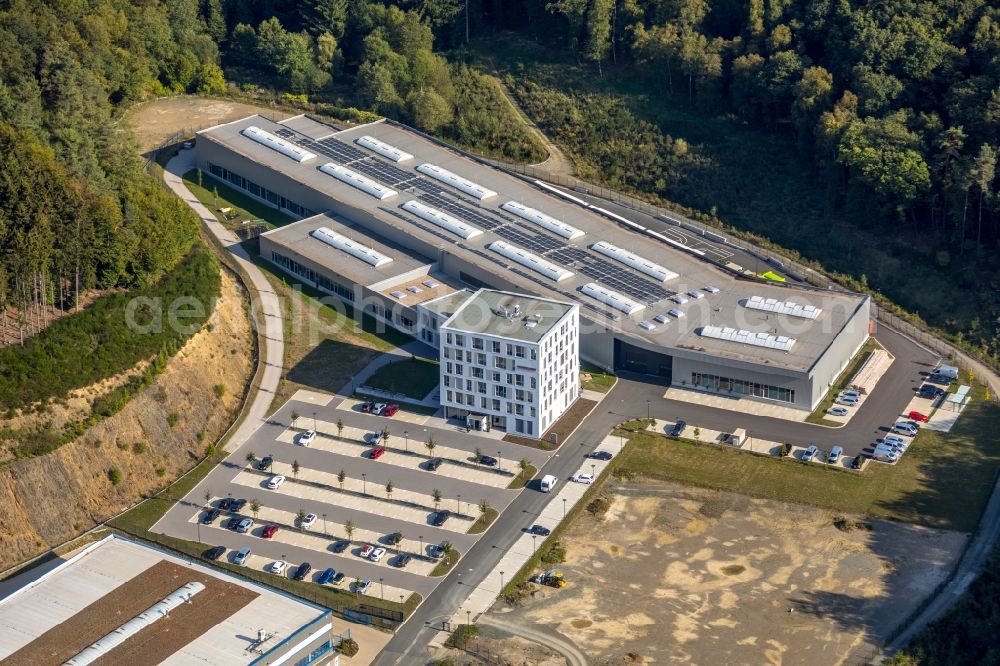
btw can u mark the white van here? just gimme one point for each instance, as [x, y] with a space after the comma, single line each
[885, 454]
[548, 483]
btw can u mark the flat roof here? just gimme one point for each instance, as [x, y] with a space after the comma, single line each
[74, 589]
[445, 306]
[508, 315]
[722, 308]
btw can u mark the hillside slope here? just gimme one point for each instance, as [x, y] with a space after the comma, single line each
[47, 499]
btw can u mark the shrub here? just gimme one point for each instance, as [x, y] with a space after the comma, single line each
[599, 506]
[461, 636]
[554, 554]
[786, 449]
[114, 476]
[219, 390]
[161, 471]
[139, 448]
[172, 419]
[348, 647]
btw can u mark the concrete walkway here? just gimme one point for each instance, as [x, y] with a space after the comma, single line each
[262, 300]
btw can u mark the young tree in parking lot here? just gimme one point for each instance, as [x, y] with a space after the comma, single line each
[479, 455]
[251, 457]
[430, 445]
[208, 498]
[436, 496]
[254, 507]
[385, 437]
[349, 529]
[340, 428]
[295, 469]
[388, 489]
[484, 506]
[295, 417]
[341, 475]
[523, 465]
[300, 517]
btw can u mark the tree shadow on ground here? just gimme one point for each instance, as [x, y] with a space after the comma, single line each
[330, 365]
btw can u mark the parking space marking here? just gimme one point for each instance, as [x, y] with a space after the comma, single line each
[354, 405]
[369, 504]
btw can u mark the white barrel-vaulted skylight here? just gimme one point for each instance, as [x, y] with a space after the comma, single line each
[456, 181]
[353, 248]
[443, 220]
[534, 262]
[542, 220]
[635, 261]
[779, 342]
[354, 179]
[383, 149]
[618, 301]
[277, 143]
[782, 307]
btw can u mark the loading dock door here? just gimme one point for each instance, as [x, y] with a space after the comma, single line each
[629, 358]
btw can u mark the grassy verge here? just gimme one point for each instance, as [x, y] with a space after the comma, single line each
[484, 521]
[942, 481]
[414, 377]
[523, 477]
[215, 195]
[562, 428]
[593, 378]
[446, 563]
[842, 382]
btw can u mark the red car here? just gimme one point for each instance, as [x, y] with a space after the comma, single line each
[916, 416]
[269, 531]
[390, 410]
[377, 452]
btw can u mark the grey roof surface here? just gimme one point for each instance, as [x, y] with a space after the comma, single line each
[446, 306]
[482, 313]
[720, 309]
[107, 564]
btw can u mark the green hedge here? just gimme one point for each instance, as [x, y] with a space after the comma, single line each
[95, 343]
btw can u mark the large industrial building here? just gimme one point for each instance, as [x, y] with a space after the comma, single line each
[404, 227]
[118, 601]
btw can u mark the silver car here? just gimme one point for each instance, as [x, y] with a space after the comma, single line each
[835, 454]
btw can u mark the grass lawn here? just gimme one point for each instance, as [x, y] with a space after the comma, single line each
[566, 424]
[244, 207]
[483, 521]
[414, 377]
[446, 563]
[842, 381]
[942, 481]
[523, 478]
[593, 378]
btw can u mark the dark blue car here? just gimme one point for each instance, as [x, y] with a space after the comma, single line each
[326, 576]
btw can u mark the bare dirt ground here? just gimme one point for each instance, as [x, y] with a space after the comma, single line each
[675, 574]
[494, 647]
[158, 119]
[143, 441]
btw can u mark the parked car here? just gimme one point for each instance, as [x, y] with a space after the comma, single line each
[390, 409]
[338, 579]
[236, 505]
[439, 518]
[582, 478]
[896, 445]
[678, 429]
[489, 461]
[402, 560]
[309, 521]
[373, 437]
[306, 438]
[340, 546]
[302, 571]
[905, 428]
[269, 531]
[367, 407]
[885, 455]
[930, 391]
[363, 586]
[210, 516]
[378, 408]
[433, 464]
[850, 393]
[917, 416]
[326, 576]
[277, 566]
[539, 530]
[847, 401]
[436, 551]
[240, 558]
[265, 463]
[858, 460]
[214, 553]
[234, 522]
[377, 452]
[809, 453]
[394, 538]
[275, 482]
[244, 525]
[224, 504]
[600, 455]
[835, 454]
[367, 550]
[377, 554]
[837, 411]
[940, 379]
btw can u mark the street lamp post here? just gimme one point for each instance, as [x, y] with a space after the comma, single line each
[468, 620]
[593, 471]
[421, 537]
[534, 544]
[458, 504]
[499, 466]
[501, 581]
[382, 583]
[564, 508]
[406, 439]
[647, 410]
[324, 525]
[364, 483]
[401, 605]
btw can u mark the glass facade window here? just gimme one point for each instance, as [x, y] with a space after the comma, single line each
[316, 278]
[742, 387]
[256, 190]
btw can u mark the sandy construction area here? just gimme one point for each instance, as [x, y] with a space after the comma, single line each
[675, 574]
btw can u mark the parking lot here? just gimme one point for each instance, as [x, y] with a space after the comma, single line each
[357, 500]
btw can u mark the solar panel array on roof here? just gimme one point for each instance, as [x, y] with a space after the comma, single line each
[534, 262]
[353, 179]
[383, 149]
[635, 261]
[596, 268]
[779, 342]
[456, 181]
[612, 298]
[443, 220]
[541, 219]
[782, 307]
[273, 142]
[462, 212]
[353, 248]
